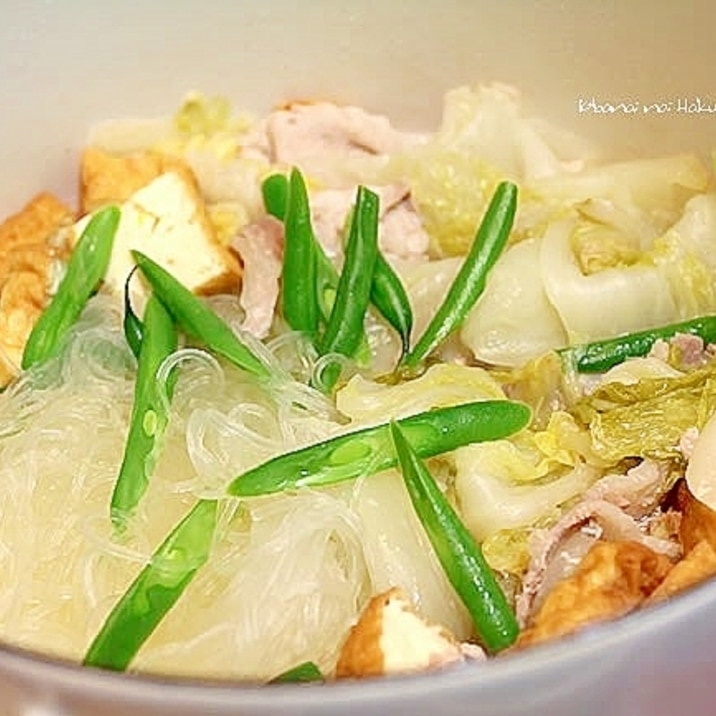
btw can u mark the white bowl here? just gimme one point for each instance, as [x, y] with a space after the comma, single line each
[64, 65]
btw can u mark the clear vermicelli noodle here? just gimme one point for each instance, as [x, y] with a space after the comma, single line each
[267, 555]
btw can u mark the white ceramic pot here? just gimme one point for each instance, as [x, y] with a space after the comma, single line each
[67, 63]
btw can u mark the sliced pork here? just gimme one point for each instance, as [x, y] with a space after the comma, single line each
[303, 132]
[260, 246]
[610, 510]
[401, 231]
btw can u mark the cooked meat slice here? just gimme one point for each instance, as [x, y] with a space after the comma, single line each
[260, 246]
[614, 578]
[304, 131]
[594, 519]
[330, 209]
[401, 230]
[637, 492]
[690, 349]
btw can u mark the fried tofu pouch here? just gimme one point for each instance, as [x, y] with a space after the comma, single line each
[617, 577]
[698, 521]
[613, 579]
[29, 257]
[698, 564]
[697, 532]
[110, 179]
[391, 638]
[163, 215]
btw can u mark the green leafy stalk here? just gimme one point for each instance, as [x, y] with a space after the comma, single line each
[298, 296]
[460, 556]
[599, 356]
[370, 450]
[196, 319]
[131, 324]
[155, 591]
[327, 279]
[305, 672]
[345, 326]
[85, 271]
[469, 283]
[388, 295]
[274, 190]
[149, 415]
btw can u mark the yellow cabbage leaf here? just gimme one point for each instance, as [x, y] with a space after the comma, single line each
[508, 550]
[443, 384]
[450, 190]
[648, 418]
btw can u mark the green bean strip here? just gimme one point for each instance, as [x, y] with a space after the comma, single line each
[196, 319]
[307, 671]
[131, 324]
[298, 296]
[388, 295]
[345, 325]
[155, 591]
[274, 190]
[469, 283]
[327, 276]
[85, 271]
[599, 356]
[149, 416]
[370, 450]
[460, 556]
[327, 279]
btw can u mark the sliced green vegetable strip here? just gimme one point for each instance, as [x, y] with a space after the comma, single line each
[307, 671]
[388, 295]
[156, 589]
[327, 279]
[274, 190]
[85, 271]
[469, 283]
[599, 356]
[343, 332]
[196, 319]
[149, 416]
[345, 326]
[460, 556]
[132, 325]
[370, 450]
[298, 296]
